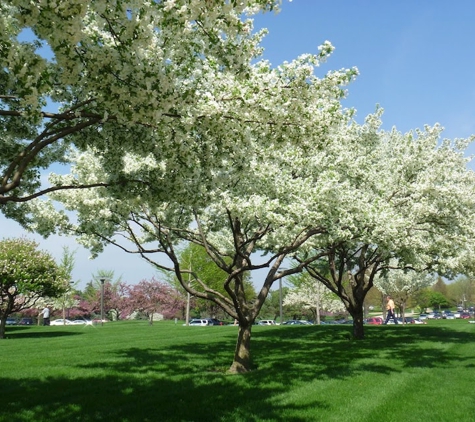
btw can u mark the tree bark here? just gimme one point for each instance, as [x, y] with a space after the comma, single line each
[358, 328]
[242, 353]
[3, 322]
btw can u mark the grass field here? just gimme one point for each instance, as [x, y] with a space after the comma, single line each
[130, 371]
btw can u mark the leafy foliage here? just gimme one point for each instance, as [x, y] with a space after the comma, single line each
[26, 275]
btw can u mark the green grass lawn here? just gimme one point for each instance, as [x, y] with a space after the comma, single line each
[130, 371]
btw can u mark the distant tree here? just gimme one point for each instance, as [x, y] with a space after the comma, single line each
[437, 300]
[402, 285]
[67, 300]
[27, 274]
[440, 286]
[115, 296]
[115, 300]
[462, 291]
[374, 298]
[312, 295]
[152, 297]
[422, 299]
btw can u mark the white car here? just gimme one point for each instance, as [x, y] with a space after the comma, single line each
[81, 322]
[60, 322]
[266, 322]
[199, 322]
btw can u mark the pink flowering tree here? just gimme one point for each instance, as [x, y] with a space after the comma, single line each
[155, 297]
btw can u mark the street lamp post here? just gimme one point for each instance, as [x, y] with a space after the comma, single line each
[280, 301]
[102, 300]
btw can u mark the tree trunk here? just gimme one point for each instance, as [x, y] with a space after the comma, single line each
[3, 322]
[242, 353]
[358, 328]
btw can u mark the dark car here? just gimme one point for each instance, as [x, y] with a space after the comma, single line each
[214, 321]
[26, 321]
[407, 320]
[11, 321]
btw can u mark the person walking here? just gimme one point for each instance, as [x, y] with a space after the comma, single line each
[45, 313]
[390, 310]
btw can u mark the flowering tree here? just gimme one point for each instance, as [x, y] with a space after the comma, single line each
[115, 299]
[312, 295]
[226, 183]
[102, 73]
[401, 284]
[392, 195]
[26, 275]
[155, 297]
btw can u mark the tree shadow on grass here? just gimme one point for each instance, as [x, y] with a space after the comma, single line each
[196, 397]
[329, 352]
[187, 382]
[28, 332]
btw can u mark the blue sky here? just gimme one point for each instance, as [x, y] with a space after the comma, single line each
[415, 57]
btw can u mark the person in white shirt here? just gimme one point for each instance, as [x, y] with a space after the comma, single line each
[45, 313]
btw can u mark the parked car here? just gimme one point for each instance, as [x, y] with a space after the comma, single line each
[214, 321]
[423, 317]
[407, 320]
[11, 321]
[26, 321]
[81, 322]
[296, 322]
[61, 322]
[465, 315]
[374, 321]
[266, 322]
[448, 315]
[199, 322]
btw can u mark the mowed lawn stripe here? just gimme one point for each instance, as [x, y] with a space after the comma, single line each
[131, 371]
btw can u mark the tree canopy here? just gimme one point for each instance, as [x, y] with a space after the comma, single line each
[165, 84]
[189, 138]
[388, 200]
